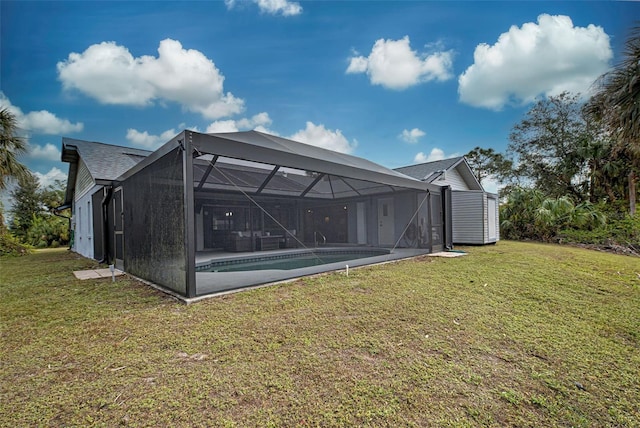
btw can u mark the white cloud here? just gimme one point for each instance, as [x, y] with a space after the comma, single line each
[318, 135]
[266, 130]
[412, 136]
[50, 177]
[46, 152]
[40, 122]
[44, 122]
[222, 126]
[149, 141]
[544, 58]
[491, 185]
[272, 7]
[110, 74]
[257, 122]
[394, 65]
[436, 154]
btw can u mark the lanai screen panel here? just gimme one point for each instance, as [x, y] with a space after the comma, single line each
[229, 174]
[154, 227]
[262, 164]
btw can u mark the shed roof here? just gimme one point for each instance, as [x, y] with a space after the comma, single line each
[430, 171]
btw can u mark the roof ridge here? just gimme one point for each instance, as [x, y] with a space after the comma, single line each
[67, 139]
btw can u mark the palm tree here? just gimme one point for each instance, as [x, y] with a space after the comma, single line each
[618, 103]
[11, 146]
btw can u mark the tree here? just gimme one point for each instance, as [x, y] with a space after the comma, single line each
[617, 103]
[487, 163]
[11, 147]
[33, 221]
[26, 204]
[547, 143]
[606, 164]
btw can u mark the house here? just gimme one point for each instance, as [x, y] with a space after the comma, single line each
[175, 215]
[474, 212]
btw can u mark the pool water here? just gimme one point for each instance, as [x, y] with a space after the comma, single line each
[288, 262]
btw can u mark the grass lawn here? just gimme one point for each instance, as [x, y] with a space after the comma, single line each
[516, 334]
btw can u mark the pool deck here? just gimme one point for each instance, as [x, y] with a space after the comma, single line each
[215, 283]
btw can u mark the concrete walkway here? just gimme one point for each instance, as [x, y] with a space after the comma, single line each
[447, 254]
[96, 273]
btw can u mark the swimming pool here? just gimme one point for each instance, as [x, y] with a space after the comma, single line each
[289, 261]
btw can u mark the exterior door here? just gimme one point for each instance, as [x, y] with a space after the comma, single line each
[437, 229]
[118, 228]
[386, 226]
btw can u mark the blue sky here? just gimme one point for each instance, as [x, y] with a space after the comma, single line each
[394, 82]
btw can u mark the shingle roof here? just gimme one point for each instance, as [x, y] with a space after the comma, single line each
[429, 171]
[104, 161]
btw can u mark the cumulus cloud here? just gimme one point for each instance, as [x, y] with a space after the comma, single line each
[40, 122]
[491, 185]
[46, 152]
[44, 122]
[435, 155]
[148, 141]
[543, 58]
[394, 65]
[272, 7]
[49, 178]
[412, 136]
[259, 122]
[110, 74]
[222, 126]
[318, 135]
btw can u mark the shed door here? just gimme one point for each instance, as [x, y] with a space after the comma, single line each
[386, 230]
[491, 218]
[118, 228]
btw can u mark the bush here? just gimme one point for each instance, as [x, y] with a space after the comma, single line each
[10, 246]
[55, 244]
[624, 232]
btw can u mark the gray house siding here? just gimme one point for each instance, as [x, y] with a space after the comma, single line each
[469, 219]
[83, 180]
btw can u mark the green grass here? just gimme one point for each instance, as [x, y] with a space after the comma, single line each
[515, 334]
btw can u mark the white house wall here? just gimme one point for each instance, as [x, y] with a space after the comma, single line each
[454, 179]
[82, 223]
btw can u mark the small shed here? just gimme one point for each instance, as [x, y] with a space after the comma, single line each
[474, 212]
